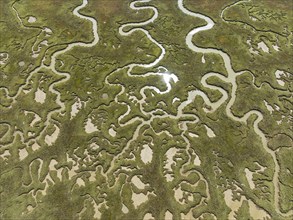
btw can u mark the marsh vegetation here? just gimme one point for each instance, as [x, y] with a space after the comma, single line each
[146, 109]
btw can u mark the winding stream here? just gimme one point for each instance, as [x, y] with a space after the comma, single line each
[52, 67]
[231, 78]
[166, 77]
[68, 48]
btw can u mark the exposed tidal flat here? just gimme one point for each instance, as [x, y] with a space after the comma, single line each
[123, 112]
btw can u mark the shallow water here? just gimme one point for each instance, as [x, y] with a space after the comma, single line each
[40, 96]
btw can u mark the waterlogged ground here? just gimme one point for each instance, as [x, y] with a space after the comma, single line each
[148, 109]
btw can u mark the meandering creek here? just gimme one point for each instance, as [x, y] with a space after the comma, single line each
[231, 78]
